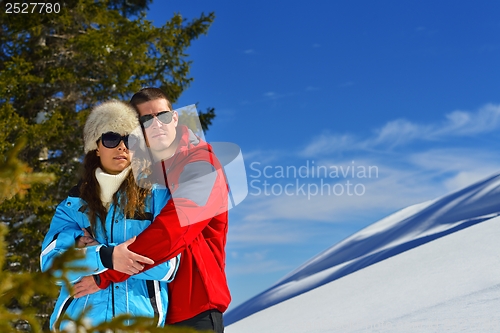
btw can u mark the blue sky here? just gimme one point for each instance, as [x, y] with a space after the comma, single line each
[408, 88]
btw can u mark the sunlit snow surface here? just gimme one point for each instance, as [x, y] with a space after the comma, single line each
[449, 284]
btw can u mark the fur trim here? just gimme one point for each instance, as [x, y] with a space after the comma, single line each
[112, 116]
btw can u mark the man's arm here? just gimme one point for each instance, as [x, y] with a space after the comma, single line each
[163, 272]
[200, 196]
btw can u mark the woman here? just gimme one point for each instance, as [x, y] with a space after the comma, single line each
[106, 208]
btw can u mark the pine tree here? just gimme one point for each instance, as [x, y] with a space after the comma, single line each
[53, 68]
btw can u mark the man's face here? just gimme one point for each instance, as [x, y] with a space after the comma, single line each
[159, 136]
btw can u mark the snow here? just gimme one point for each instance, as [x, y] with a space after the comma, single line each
[450, 284]
[431, 267]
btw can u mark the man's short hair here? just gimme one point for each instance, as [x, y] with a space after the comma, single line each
[149, 94]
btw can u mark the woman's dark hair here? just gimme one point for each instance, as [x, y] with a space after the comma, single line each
[132, 197]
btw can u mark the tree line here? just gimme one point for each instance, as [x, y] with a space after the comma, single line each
[54, 67]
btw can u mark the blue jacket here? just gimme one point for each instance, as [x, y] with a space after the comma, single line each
[144, 294]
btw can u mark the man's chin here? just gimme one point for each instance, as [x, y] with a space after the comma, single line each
[160, 152]
[160, 146]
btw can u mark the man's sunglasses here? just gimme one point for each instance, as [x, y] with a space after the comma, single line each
[164, 117]
[112, 140]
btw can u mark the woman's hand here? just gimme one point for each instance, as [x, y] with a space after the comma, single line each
[86, 240]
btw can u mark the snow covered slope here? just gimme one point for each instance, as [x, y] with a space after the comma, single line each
[437, 269]
[451, 284]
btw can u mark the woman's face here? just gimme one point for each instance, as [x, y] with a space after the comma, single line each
[114, 160]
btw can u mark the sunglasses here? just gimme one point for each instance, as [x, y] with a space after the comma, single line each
[112, 140]
[165, 117]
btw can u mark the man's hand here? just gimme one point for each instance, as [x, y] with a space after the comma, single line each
[85, 286]
[126, 261]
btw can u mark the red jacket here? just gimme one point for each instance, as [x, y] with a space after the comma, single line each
[193, 223]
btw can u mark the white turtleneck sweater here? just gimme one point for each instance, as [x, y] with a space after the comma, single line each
[109, 184]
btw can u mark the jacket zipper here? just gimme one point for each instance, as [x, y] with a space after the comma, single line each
[112, 283]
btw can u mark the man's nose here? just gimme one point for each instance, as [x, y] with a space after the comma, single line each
[156, 122]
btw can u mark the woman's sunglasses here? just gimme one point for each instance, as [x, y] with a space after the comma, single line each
[164, 117]
[112, 140]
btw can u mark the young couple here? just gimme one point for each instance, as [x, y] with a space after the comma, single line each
[136, 238]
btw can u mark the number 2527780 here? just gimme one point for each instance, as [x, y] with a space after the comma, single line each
[32, 8]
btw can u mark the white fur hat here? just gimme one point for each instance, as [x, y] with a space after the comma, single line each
[112, 116]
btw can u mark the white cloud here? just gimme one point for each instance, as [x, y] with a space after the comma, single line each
[253, 262]
[464, 166]
[399, 181]
[263, 157]
[487, 119]
[338, 200]
[401, 131]
[262, 231]
[404, 177]
[249, 51]
[324, 192]
[457, 123]
[327, 143]
[464, 178]
[452, 159]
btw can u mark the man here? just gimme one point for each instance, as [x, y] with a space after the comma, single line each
[194, 222]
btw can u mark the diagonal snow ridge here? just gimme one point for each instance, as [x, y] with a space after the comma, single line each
[451, 284]
[404, 230]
